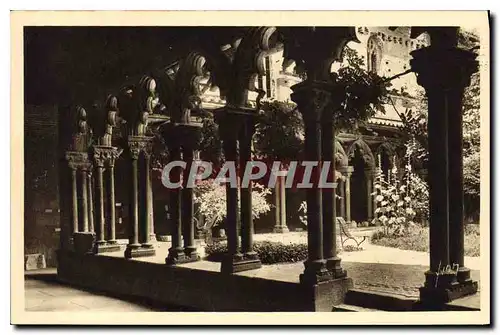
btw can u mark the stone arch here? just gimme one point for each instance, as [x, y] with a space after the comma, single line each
[361, 159]
[374, 54]
[384, 156]
[341, 159]
[360, 147]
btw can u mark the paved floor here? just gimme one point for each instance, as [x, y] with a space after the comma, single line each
[43, 293]
[375, 268]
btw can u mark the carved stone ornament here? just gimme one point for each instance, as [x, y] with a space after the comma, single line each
[82, 134]
[181, 94]
[78, 160]
[314, 49]
[138, 144]
[364, 151]
[105, 155]
[136, 102]
[111, 119]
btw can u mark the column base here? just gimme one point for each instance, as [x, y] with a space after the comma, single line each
[152, 238]
[463, 275]
[238, 263]
[83, 242]
[280, 229]
[109, 246]
[137, 250]
[177, 256]
[440, 289]
[334, 267]
[192, 253]
[315, 272]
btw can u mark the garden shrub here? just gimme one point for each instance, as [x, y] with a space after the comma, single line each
[417, 239]
[269, 252]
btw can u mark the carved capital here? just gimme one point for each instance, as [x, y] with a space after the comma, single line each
[138, 144]
[314, 49]
[311, 100]
[443, 69]
[78, 160]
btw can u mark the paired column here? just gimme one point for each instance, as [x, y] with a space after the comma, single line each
[311, 101]
[182, 140]
[104, 160]
[444, 71]
[139, 239]
[329, 200]
[236, 126]
[246, 215]
[79, 165]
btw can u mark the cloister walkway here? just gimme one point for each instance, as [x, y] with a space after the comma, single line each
[376, 269]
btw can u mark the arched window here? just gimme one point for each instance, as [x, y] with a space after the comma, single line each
[374, 54]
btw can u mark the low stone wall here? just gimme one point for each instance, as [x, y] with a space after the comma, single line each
[198, 289]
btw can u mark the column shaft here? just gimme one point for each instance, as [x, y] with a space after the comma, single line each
[456, 184]
[188, 206]
[369, 200]
[90, 191]
[111, 205]
[348, 198]
[84, 205]
[144, 206]
[438, 179]
[230, 151]
[341, 188]
[176, 252]
[328, 195]
[74, 196]
[246, 199]
[134, 206]
[100, 205]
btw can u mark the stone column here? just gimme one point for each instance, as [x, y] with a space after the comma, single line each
[84, 201]
[111, 210]
[90, 191]
[311, 101]
[348, 193]
[150, 201]
[341, 188]
[100, 218]
[329, 199]
[280, 203]
[234, 256]
[444, 71]
[176, 252]
[369, 191]
[247, 227]
[145, 205]
[133, 244]
[189, 143]
[74, 197]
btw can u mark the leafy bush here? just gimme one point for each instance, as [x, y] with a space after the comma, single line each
[269, 252]
[210, 197]
[417, 239]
